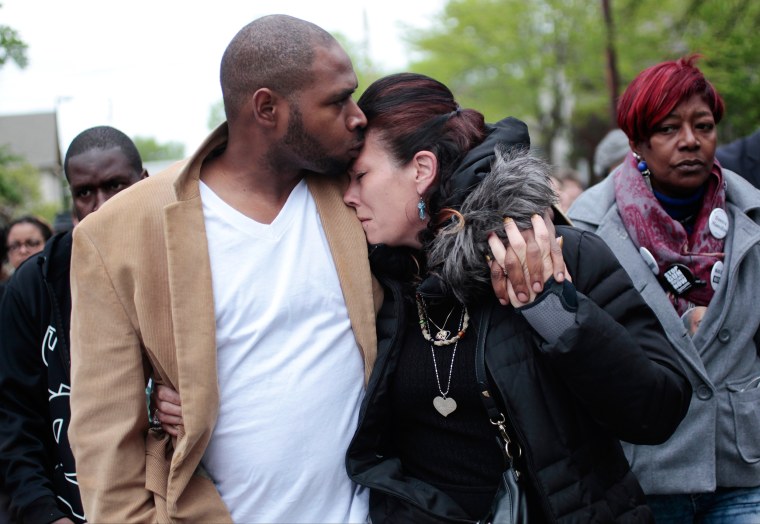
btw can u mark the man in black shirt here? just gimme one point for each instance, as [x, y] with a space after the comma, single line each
[35, 459]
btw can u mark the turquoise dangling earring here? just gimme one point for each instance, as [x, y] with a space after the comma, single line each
[421, 209]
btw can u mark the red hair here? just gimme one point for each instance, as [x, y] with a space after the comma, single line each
[657, 90]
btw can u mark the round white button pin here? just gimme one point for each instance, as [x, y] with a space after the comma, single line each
[718, 223]
[716, 274]
[649, 259]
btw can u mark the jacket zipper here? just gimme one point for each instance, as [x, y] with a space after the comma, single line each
[398, 311]
[55, 311]
[519, 435]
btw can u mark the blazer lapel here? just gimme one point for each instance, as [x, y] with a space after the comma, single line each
[194, 323]
[349, 251]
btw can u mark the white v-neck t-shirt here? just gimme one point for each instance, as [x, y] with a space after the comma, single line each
[291, 377]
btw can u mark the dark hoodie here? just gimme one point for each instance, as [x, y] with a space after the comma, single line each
[476, 165]
[36, 463]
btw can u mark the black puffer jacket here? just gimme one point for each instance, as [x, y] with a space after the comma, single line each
[35, 459]
[612, 375]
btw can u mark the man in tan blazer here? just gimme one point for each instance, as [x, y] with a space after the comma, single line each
[154, 300]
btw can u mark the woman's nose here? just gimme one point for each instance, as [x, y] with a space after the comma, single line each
[689, 137]
[349, 197]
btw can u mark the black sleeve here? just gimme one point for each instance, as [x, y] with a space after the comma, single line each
[616, 357]
[26, 447]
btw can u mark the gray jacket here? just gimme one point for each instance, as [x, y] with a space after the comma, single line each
[718, 443]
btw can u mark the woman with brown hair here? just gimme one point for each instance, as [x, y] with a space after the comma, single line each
[24, 237]
[570, 370]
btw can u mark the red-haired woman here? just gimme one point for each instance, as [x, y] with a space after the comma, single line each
[688, 234]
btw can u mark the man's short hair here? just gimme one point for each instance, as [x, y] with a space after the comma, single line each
[103, 137]
[275, 51]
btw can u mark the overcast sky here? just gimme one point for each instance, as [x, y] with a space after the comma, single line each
[151, 67]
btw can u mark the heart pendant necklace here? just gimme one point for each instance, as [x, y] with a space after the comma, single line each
[442, 403]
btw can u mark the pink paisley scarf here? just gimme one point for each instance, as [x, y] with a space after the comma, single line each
[650, 226]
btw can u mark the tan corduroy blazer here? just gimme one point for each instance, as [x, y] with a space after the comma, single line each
[142, 306]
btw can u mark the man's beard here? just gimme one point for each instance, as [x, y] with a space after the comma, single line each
[313, 155]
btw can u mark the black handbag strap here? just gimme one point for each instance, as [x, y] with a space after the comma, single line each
[511, 448]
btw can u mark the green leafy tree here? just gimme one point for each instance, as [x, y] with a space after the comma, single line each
[546, 61]
[510, 57]
[12, 47]
[19, 187]
[151, 150]
[725, 33]
[19, 181]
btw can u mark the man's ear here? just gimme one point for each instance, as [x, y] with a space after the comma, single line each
[144, 174]
[426, 170]
[264, 105]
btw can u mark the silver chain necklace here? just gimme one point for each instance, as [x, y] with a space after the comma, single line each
[444, 404]
[443, 337]
[443, 333]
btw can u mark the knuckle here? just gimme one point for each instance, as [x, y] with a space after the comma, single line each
[518, 243]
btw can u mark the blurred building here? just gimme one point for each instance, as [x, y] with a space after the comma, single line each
[34, 138]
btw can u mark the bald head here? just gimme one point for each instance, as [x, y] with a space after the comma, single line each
[274, 51]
